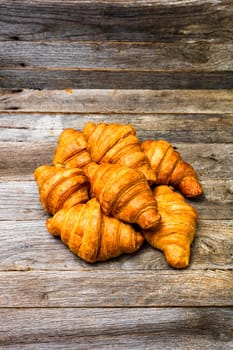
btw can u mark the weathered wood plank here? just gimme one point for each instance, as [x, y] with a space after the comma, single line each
[113, 79]
[116, 328]
[211, 160]
[25, 127]
[195, 55]
[105, 288]
[117, 101]
[116, 20]
[19, 200]
[27, 245]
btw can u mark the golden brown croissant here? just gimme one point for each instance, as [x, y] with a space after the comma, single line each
[176, 230]
[71, 150]
[92, 235]
[117, 143]
[61, 187]
[123, 193]
[170, 168]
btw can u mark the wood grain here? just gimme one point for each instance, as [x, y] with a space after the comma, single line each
[211, 161]
[113, 79]
[27, 245]
[19, 200]
[46, 127]
[112, 328]
[166, 67]
[116, 288]
[117, 101]
[153, 57]
[130, 20]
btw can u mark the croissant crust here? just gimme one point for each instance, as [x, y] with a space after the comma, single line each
[123, 193]
[61, 187]
[71, 150]
[176, 230]
[132, 186]
[117, 143]
[170, 169]
[92, 235]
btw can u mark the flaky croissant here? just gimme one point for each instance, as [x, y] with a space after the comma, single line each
[71, 150]
[123, 193]
[170, 168]
[92, 235]
[117, 143]
[176, 230]
[61, 187]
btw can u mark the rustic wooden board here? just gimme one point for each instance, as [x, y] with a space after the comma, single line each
[51, 299]
[121, 288]
[150, 45]
[211, 249]
[19, 200]
[119, 328]
[212, 161]
[45, 127]
[117, 101]
[136, 57]
[130, 20]
[113, 79]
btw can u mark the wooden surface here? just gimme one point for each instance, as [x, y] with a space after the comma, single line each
[49, 298]
[116, 44]
[165, 66]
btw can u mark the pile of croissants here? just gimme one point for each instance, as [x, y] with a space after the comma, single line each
[107, 192]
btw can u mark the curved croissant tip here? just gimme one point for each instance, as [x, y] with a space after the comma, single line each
[67, 131]
[88, 129]
[139, 240]
[38, 170]
[55, 223]
[49, 225]
[191, 188]
[149, 219]
[90, 168]
[146, 144]
[42, 172]
[176, 256]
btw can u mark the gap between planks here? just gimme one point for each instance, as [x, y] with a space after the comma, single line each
[118, 70]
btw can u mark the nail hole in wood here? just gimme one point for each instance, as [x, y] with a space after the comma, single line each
[14, 37]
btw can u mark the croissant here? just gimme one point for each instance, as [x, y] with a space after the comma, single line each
[176, 230]
[92, 235]
[123, 193]
[61, 187]
[170, 168]
[71, 150]
[116, 143]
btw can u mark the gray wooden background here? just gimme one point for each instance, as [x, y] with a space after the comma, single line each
[165, 67]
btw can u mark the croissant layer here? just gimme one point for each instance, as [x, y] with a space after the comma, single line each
[107, 191]
[170, 168]
[176, 230]
[117, 143]
[123, 193]
[71, 150]
[61, 187]
[91, 235]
